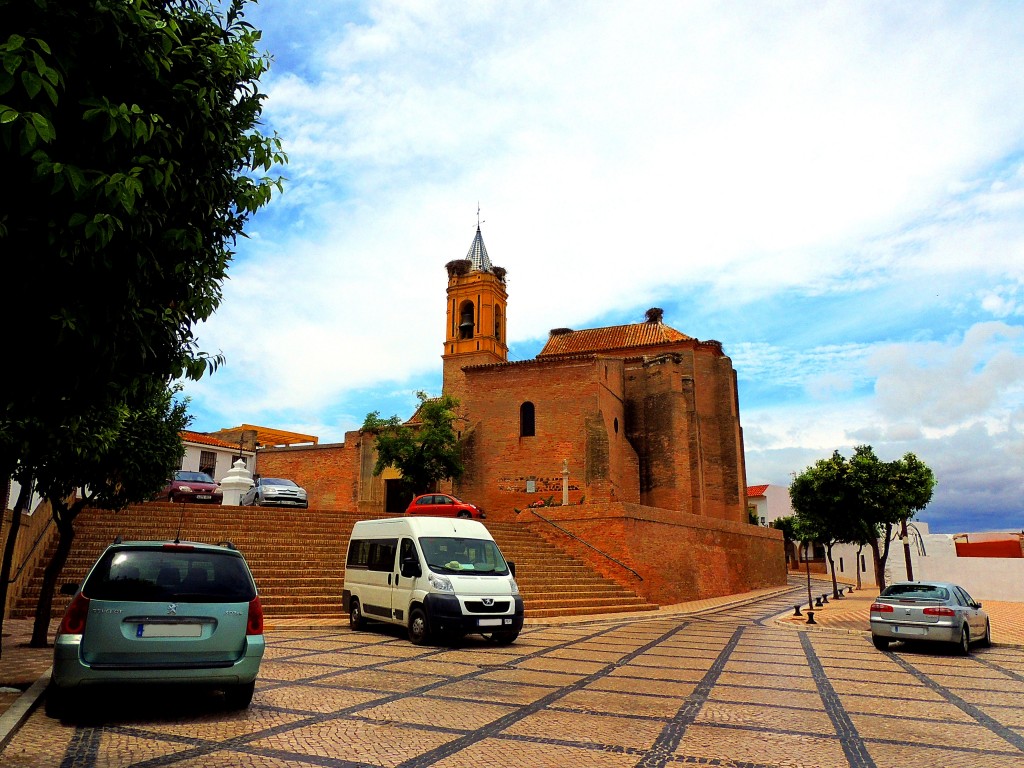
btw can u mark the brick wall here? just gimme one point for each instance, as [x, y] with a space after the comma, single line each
[328, 472]
[679, 556]
[577, 403]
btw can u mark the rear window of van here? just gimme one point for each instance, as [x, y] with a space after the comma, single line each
[142, 575]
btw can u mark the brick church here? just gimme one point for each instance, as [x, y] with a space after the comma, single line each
[638, 423]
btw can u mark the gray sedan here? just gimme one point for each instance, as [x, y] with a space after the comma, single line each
[932, 611]
[274, 492]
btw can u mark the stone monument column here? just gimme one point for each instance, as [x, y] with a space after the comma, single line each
[236, 482]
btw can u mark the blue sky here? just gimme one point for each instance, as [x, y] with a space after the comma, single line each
[835, 191]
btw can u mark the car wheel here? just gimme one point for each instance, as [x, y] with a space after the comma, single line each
[506, 637]
[881, 643]
[964, 646]
[464, 513]
[418, 628]
[355, 617]
[240, 696]
[58, 702]
[986, 639]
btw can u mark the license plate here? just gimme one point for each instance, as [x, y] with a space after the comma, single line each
[910, 630]
[169, 630]
[490, 622]
[203, 496]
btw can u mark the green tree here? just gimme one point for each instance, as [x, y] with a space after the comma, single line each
[425, 450]
[133, 159]
[889, 493]
[141, 451]
[859, 500]
[823, 500]
[788, 526]
[130, 142]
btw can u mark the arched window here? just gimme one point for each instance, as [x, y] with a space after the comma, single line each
[466, 320]
[527, 426]
[497, 322]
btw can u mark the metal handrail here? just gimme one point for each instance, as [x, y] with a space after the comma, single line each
[587, 543]
[28, 555]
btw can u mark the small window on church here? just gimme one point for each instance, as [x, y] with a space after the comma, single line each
[616, 425]
[497, 323]
[526, 420]
[466, 320]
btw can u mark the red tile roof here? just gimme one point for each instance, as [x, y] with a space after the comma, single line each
[203, 439]
[569, 342]
[756, 490]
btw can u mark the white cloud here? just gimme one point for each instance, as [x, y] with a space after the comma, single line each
[744, 154]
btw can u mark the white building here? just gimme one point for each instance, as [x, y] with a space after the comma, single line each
[215, 457]
[768, 502]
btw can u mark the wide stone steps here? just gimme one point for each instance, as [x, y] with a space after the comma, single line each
[298, 558]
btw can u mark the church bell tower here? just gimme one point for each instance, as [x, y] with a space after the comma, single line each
[475, 327]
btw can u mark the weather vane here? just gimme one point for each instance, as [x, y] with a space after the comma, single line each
[478, 214]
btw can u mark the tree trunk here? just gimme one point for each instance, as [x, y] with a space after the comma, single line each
[879, 577]
[832, 568]
[807, 565]
[906, 549]
[860, 549]
[12, 539]
[880, 557]
[64, 518]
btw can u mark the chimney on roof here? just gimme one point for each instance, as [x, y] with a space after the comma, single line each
[654, 314]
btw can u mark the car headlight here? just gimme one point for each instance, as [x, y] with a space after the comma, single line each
[184, 489]
[440, 583]
[514, 586]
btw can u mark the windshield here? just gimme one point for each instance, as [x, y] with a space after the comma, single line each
[193, 477]
[276, 481]
[447, 554]
[144, 575]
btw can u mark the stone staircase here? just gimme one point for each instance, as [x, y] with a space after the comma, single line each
[298, 558]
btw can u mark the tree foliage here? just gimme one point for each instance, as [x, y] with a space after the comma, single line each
[425, 451]
[859, 500]
[141, 448]
[130, 141]
[133, 159]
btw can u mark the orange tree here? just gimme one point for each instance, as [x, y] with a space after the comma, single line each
[132, 161]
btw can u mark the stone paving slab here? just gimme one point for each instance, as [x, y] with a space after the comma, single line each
[733, 684]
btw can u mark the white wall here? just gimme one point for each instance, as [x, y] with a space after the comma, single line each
[933, 557]
[224, 456]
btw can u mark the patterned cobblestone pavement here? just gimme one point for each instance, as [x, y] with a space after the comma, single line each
[724, 687]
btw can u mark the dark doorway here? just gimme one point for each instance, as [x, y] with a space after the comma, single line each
[396, 496]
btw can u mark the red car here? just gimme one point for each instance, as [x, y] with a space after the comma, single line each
[443, 505]
[192, 488]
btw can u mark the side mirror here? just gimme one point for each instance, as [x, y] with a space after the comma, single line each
[410, 568]
[68, 589]
[977, 604]
[511, 568]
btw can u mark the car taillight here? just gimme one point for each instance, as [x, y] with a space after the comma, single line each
[880, 608]
[939, 611]
[73, 622]
[255, 623]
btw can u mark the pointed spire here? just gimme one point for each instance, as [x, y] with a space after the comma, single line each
[478, 253]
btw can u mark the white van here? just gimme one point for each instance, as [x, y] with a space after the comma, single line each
[440, 577]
